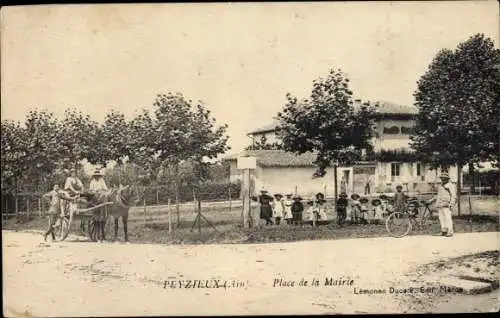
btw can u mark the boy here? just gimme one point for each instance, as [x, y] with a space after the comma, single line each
[54, 210]
[342, 209]
[297, 209]
[399, 199]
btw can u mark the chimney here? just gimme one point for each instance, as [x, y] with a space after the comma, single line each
[357, 103]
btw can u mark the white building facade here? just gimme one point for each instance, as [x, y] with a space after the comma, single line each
[285, 172]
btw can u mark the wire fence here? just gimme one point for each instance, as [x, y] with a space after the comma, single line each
[159, 208]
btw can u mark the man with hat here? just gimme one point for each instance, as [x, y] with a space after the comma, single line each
[97, 184]
[445, 200]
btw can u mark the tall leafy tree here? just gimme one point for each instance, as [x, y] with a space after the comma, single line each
[14, 151]
[115, 137]
[176, 133]
[78, 137]
[327, 123]
[458, 121]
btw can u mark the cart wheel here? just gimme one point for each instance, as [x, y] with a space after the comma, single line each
[398, 224]
[92, 229]
[109, 225]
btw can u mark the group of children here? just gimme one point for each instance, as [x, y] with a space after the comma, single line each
[361, 213]
[290, 208]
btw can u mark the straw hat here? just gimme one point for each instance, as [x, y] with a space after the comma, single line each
[376, 202]
[355, 196]
[363, 200]
[444, 175]
[97, 172]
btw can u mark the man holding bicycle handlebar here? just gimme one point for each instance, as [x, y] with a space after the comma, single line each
[445, 200]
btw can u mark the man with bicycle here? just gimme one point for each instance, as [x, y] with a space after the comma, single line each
[445, 200]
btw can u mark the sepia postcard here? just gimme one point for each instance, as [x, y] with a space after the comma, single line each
[263, 158]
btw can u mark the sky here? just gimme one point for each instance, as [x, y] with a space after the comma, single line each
[239, 59]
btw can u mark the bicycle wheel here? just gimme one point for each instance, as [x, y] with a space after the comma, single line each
[65, 226]
[428, 223]
[398, 224]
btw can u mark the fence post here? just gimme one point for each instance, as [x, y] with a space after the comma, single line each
[28, 207]
[229, 194]
[157, 197]
[177, 208]
[17, 206]
[169, 217]
[144, 202]
[199, 216]
[39, 207]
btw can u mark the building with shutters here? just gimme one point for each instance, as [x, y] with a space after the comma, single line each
[391, 164]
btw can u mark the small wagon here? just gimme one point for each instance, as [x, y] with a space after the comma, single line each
[87, 218]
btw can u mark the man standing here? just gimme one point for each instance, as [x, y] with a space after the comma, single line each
[97, 184]
[445, 200]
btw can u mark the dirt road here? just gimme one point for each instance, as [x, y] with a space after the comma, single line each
[83, 278]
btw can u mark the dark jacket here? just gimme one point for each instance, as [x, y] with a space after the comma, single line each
[297, 208]
[342, 203]
[266, 212]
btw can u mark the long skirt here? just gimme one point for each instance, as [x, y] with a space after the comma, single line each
[266, 212]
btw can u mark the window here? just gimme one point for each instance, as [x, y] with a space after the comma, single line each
[408, 130]
[394, 130]
[395, 168]
[420, 171]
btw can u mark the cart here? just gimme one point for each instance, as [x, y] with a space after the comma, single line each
[87, 218]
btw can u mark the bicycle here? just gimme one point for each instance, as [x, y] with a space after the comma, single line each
[418, 214]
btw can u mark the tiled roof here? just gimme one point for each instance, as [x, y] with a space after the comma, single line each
[384, 109]
[264, 129]
[278, 158]
[389, 108]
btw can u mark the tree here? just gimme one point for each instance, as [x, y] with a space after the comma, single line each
[327, 124]
[80, 138]
[458, 121]
[14, 150]
[115, 137]
[176, 132]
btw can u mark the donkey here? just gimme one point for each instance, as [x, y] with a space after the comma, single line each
[122, 199]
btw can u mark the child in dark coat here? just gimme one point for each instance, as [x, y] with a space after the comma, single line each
[342, 208]
[297, 209]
